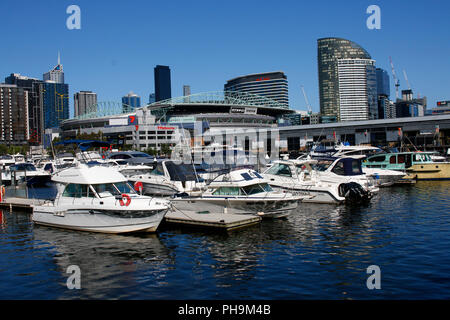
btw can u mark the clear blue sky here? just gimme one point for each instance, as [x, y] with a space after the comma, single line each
[206, 43]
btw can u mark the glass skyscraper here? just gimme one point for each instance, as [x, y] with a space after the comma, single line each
[55, 103]
[329, 52]
[163, 89]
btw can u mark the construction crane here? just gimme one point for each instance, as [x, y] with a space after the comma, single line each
[396, 81]
[307, 102]
[406, 79]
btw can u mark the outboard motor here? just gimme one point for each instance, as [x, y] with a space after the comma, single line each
[354, 193]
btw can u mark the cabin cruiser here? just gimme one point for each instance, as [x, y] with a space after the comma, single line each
[301, 176]
[242, 191]
[99, 199]
[166, 179]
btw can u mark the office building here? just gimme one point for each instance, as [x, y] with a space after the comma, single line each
[14, 127]
[130, 102]
[85, 102]
[329, 52]
[163, 87]
[272, 85]
[56, 74]
[357, 90]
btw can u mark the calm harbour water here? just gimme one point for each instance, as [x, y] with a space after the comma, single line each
[319, 252]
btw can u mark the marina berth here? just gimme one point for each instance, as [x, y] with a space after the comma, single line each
[99, 199]
[242, 191]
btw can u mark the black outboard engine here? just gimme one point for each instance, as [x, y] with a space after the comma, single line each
[354, 193]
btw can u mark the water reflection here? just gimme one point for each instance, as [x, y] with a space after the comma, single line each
[108, 263]
[319, 252]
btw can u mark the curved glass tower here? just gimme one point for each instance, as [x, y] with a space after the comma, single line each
[329, 52]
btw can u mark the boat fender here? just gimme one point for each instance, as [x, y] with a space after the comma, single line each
[125, 196]
[138, 186]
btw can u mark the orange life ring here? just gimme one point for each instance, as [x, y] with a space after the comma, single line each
[138, 186]
[125, 196]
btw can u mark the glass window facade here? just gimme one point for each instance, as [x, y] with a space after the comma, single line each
[163, 89]
[329, 51]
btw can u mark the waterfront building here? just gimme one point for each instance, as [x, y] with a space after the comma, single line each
[130, 102]
[159, 124]
[329, 52]
[163, 86]
[14, 128]
[56, 74]
[85, 102]
[272, 85]
[357, 89]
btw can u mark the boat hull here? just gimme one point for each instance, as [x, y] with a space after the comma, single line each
[315, 195]
[95, 221]
[431, 171]
[266, 208]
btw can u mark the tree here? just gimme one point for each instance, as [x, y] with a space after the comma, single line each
[165, 149]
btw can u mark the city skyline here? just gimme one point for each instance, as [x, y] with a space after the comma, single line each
[212, 55]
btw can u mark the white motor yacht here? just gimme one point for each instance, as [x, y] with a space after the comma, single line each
[299, 176]
[241, 191]
[99, 199]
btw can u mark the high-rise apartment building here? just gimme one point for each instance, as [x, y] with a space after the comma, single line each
[329, 52]
[163, 87]
[14, 128]
[272, 85]
[357, 90]
[31, 85]
[85, 102]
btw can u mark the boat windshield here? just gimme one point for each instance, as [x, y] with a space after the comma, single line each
[279, 169]
[322, 165]
[113, 189]
[248, 190]
[422, 157]
[23, 167]
[257, 188]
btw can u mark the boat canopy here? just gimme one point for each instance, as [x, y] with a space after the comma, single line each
[84, 174]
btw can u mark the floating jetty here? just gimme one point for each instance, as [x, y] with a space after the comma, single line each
[206, 220]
